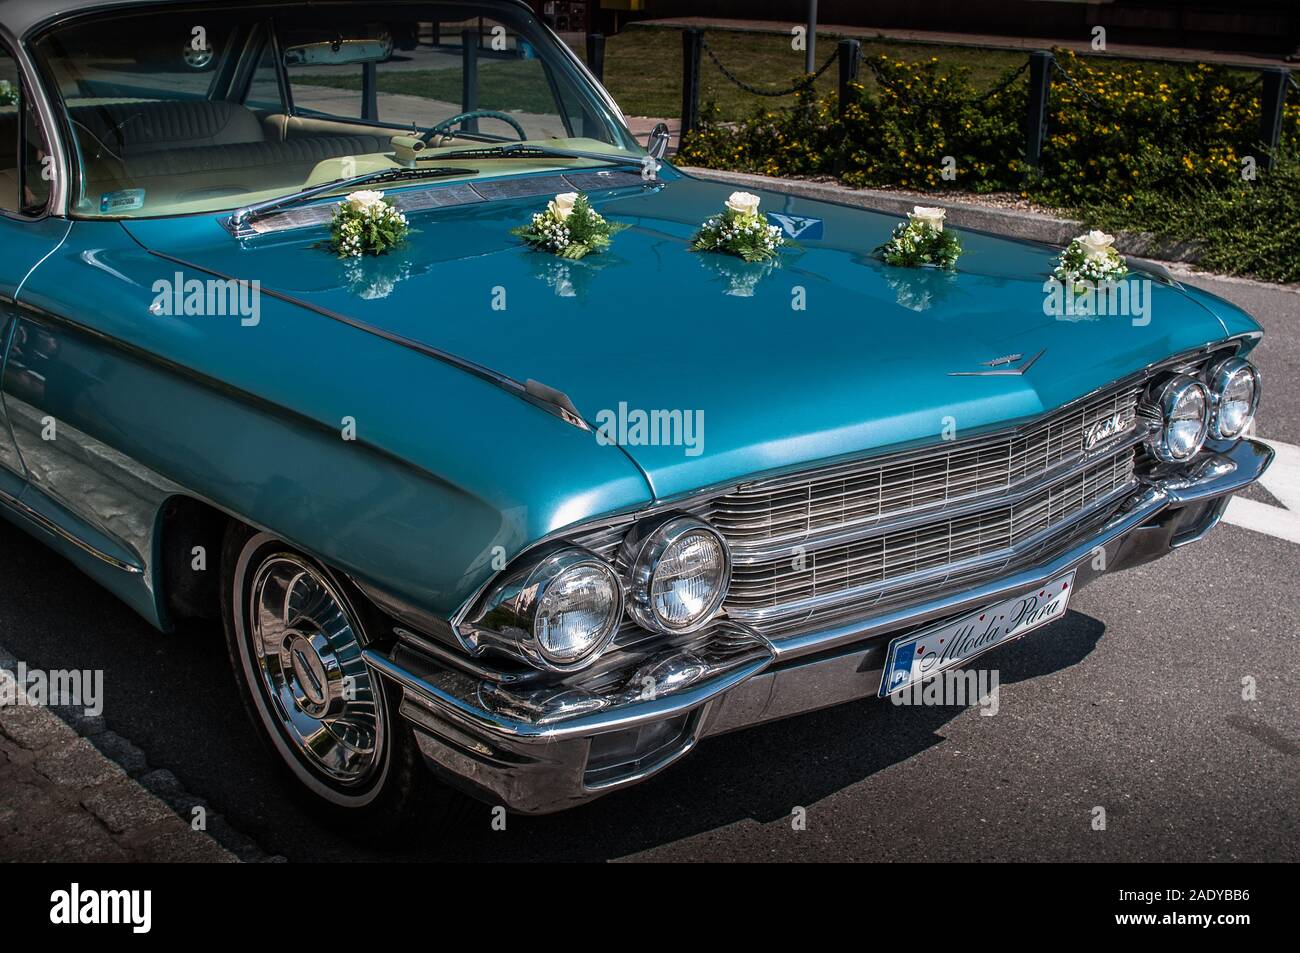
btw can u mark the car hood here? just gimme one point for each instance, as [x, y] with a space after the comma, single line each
[830, 353]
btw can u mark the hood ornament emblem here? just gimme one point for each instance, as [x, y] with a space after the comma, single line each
[1002, 366]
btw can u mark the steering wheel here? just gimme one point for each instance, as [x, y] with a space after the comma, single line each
[474, 114]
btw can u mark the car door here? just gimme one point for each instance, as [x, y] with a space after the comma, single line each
[27, 233]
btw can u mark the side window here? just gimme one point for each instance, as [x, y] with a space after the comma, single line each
[24, 173]
[264, 90]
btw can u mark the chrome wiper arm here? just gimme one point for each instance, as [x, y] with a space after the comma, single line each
[646, 164]
[241, 217]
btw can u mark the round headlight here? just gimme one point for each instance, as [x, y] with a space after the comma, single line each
[1234, 384]
[577, 608]
[680, 571]
[1184, 405]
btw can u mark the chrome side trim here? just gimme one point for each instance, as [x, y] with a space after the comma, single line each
[50, 526]
[532, 395]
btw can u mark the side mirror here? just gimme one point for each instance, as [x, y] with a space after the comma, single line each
[657, 142]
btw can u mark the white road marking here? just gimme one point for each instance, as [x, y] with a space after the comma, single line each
[1282, 479]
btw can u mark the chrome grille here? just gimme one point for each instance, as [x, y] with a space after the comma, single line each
[843, 541]
[862, 494]
[784, 587]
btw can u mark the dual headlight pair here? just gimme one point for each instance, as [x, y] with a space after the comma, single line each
[559, 612]
[1221, 405]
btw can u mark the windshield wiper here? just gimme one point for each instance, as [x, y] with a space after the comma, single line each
[242, 217]
[646, 164]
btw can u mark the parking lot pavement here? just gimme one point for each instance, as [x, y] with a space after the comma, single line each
[1163, 705]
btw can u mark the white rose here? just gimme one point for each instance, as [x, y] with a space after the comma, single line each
[562, 205]
[930, 216]
[743, 203]
[359, 201]
[1096, 244]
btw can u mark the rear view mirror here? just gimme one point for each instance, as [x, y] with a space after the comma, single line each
[340, 52]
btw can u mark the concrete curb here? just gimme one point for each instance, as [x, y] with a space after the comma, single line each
[1014, 223]
[159, 783]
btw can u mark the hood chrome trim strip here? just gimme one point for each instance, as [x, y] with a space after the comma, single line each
[538, 396]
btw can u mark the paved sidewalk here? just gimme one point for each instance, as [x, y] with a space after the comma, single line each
[61, 799]
[828, 31]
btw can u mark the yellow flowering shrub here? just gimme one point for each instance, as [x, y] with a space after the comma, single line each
[1125, 127]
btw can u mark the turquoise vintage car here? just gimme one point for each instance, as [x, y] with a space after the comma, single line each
[541, 524]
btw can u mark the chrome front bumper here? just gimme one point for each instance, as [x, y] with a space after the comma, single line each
[542, 749]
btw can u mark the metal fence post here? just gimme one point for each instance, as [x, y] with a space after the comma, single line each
[810, 47]
[370, 92]
[596, 55]
[691, 45]
[849, 51]
[1272, 96]
[1040, 87]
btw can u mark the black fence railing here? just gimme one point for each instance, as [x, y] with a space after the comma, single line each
[1042, 67]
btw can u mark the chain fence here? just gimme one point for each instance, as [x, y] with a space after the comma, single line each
[798, 87]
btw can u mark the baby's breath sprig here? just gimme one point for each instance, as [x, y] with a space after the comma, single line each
[569, 227]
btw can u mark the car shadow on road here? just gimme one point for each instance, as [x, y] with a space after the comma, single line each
[174, 697]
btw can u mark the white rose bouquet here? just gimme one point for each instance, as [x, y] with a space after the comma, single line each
[921, 240]
[366, 223]
[569, 227]
[1090, 260]
[740, 230]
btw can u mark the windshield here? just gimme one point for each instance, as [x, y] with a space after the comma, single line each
[191, 109]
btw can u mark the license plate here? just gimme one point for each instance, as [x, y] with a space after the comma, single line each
[912, 658]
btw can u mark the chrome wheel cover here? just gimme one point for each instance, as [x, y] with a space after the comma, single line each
[316, 688]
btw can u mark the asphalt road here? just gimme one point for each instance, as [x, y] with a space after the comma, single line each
[1132, 703]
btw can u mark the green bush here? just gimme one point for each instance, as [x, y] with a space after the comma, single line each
[1138, 144]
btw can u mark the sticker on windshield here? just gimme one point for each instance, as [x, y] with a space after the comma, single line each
[797, 226]
[125, 201]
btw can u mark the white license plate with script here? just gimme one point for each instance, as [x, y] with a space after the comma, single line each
[912, 658]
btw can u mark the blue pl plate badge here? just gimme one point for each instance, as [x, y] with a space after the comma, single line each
[128, 200]
[796, 226]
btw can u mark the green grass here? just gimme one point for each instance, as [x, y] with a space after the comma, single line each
[506, 85]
